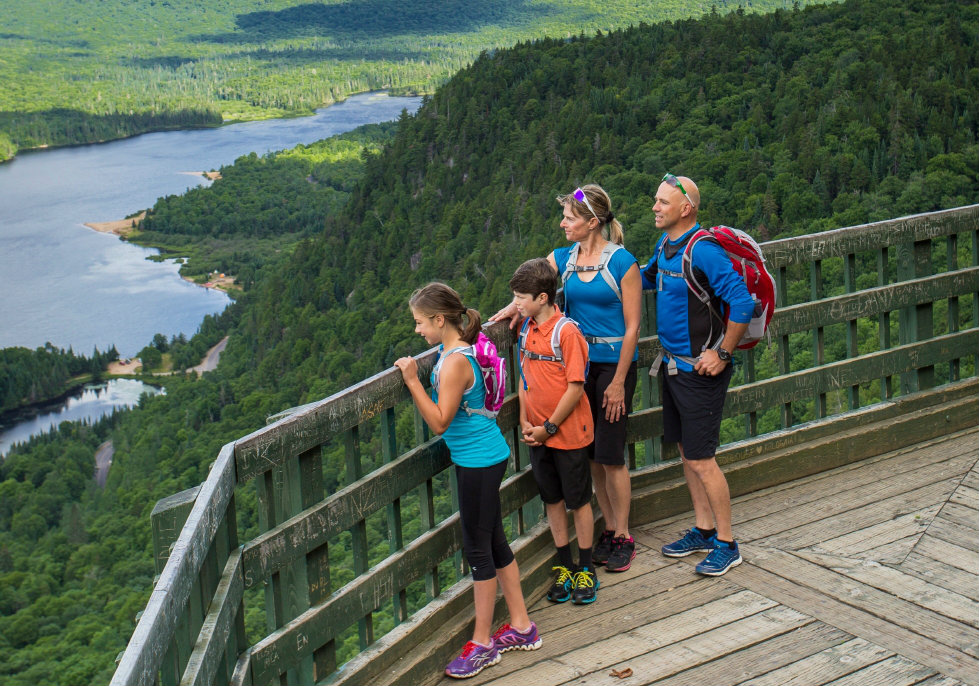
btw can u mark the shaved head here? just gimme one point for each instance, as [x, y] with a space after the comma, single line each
[693, 193]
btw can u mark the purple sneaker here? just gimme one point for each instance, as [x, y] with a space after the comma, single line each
[508, 638]
[473, 660]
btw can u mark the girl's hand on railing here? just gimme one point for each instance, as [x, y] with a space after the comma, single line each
[508, 312]
[409, 369]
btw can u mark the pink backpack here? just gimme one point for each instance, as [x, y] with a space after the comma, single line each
[491, 365]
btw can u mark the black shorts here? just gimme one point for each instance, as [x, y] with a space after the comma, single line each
[562, 475]
[609, 445]
[692, 408]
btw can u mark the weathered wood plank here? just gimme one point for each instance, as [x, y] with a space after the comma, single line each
[940, 680]
[858, 595]
[836, 375]
[825, 666]
[763, 657]
[949, 553]
[664, 633]
[218, 625]
[721, 642]
[951, 532]
[621, 607]
[894, 671]
[813, 523]
[144, 653]
[869, 237]
[939, 573]
[904, 586]
[912, 524]
[892, 553]
[967, 496]
[788, 591]
[960, 515]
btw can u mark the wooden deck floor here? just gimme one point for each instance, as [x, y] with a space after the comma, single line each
[867, 574]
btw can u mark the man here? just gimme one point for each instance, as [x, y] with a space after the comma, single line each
[697, 347]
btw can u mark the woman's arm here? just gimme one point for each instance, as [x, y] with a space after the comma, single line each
[455, 377]
[510, 311]
[614, 398]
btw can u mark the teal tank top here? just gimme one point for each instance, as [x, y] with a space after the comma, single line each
[474, 440]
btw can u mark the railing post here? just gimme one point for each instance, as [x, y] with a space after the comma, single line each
[818, 352]
[166, 520]
[782, 300]
[850, 284]
[916, 323]
[389, 451]
[355, 470]
[884, 323]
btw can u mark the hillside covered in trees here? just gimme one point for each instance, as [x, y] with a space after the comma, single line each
[791, 122]
[94, 70]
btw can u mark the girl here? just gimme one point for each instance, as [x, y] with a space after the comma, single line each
[480, 454]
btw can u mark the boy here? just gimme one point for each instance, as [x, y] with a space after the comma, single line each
[556, 422]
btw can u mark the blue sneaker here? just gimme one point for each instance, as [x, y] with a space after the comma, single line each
[720, 559]
[692, 542]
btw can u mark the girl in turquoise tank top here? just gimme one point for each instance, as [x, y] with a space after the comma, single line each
[479, 454]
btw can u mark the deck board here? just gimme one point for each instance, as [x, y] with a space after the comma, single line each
[865, 574]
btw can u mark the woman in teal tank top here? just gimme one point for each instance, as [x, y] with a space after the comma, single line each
[479, 453]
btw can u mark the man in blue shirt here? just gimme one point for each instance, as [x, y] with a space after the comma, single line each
[697, 347]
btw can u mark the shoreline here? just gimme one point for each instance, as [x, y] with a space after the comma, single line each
[122, 227]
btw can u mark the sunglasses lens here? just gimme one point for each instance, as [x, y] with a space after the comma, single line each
[579, 195]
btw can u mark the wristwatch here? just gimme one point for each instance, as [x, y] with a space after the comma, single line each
[723, 355]
[551, 429]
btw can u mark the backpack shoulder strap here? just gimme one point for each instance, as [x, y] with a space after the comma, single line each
[569, 267]
[556, 339]
[437, 369]
[606, 273]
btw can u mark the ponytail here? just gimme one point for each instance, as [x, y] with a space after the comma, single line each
[473, 326]
[615, 233]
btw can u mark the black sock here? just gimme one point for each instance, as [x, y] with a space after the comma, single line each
[564, 556]
[584, 557]
[706, 533]
[729, 544]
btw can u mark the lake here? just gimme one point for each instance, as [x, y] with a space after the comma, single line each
[64, 283]
[91, 403]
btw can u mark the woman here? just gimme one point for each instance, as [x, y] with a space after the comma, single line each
[480, 453]
[602, 293]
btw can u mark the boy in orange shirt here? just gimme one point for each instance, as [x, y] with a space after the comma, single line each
[557, 424]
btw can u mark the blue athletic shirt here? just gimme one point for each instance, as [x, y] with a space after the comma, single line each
[683, 323]
[594, 305]
[474, 440]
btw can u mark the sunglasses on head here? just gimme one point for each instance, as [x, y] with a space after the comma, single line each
[580, 196]
[675, 182]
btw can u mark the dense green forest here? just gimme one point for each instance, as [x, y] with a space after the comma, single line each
[791, 122]
[93, 70]
[260, 206]
[28, 377]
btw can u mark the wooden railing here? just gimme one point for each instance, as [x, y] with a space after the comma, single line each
[876, 324]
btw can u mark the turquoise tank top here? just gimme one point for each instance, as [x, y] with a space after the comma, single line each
[474, 440]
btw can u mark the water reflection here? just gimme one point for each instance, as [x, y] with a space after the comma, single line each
[91, 403]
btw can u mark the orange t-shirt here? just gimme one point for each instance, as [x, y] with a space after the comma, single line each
[547, 382]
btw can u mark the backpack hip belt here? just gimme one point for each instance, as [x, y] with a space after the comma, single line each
[671, 368]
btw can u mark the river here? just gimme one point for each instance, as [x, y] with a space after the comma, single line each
[64, 283]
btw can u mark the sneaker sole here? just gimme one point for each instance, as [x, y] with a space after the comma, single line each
[689, 552]
[475, 671]
[523, 646]
[622, 569]
[559, 600]
[721, 572]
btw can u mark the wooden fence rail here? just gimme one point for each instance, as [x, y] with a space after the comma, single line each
[919, 269]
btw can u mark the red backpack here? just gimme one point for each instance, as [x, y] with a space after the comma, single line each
[747, 259]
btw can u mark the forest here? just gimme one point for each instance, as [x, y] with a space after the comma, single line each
[792, 122]
[94, 70]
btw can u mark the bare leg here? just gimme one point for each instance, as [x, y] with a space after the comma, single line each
[584, 526]
[485, 599]
[710, 494]
[618, 486]
[557, 519]
[601, 492]
[509, 578]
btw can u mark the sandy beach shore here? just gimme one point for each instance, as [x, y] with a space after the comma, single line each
[123, 227]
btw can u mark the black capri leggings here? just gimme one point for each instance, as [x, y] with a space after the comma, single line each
[483, 540]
